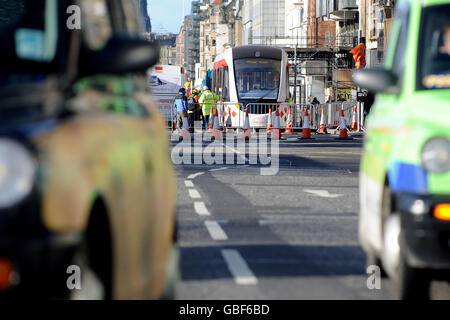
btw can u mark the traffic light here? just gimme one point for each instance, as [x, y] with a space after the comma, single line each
[359, 55]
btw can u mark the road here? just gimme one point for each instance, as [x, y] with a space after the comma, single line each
[292, 235]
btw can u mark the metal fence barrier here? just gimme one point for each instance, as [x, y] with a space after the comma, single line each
[259, 114]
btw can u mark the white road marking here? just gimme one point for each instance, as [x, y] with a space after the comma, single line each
[215, 230]
[201, 209]
[237, 152]
[265, 222]
[218, 169]
[193, 193]
[189, 183]
[195, 175]
[323, 193]
[238, 268]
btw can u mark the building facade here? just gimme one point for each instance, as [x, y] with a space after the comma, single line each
[264, 22]
[142, 6]
[376, 24]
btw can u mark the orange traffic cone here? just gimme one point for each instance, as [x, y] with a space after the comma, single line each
[354, 120]
[185, 134]
[211, 120]
[247, 130]
[269, 122]
[216, 134]
[306, 130]
[289, 127]
[323, 126]
[276, 132]
[228, 125]
[343, 134]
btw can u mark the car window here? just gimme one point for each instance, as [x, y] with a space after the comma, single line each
[398, 64]
[434, 49]
[96, 23]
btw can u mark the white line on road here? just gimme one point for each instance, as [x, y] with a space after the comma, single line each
[189, 183]
[201, 209]
[195, 175]
[218, 169]
[193, 193]
[239, 268]
[215, 230]
[265, 222]
[237, 152]
[323, 193]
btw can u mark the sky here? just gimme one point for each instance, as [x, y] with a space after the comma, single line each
[166, 15]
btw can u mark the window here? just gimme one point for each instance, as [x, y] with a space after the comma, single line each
[257, 78]
[398, 64]
[433, 63]
[226, 91]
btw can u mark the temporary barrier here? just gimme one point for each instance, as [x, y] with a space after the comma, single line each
[233, 115]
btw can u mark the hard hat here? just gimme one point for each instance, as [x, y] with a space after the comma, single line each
[195, 91]
[187, 84]
[205, 88]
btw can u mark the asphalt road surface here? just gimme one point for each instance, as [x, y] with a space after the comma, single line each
[292, 235]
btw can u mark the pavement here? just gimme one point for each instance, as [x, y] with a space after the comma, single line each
[292, 235]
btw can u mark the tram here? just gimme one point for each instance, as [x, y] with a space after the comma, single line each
[254, 77]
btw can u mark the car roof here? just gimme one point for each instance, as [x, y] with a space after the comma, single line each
[426, 3]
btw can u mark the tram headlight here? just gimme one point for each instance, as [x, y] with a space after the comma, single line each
[436, 155]
[17, 172]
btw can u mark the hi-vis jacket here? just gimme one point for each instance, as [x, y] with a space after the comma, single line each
[207, 102]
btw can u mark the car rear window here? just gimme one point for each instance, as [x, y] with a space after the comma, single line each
[434, 48]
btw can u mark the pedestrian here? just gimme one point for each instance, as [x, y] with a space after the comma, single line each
[207, 102]
[187, 87]
[315, 101]
[330, 99]
[193, 109]
[181, 105]
[368, 100]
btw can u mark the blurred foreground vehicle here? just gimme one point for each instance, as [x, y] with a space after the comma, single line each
[405, 169]
[86, 182]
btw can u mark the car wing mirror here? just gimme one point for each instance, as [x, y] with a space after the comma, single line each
[376, 80]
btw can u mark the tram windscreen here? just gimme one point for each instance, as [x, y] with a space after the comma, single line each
[257, 79]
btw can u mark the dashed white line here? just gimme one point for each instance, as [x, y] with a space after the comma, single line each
[193, 193]
[195, 175]
[238, 268]
[215, 230]
[189, 183]
[201, 209]
[218, 169]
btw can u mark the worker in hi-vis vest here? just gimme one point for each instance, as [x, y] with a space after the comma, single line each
[207, 103]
